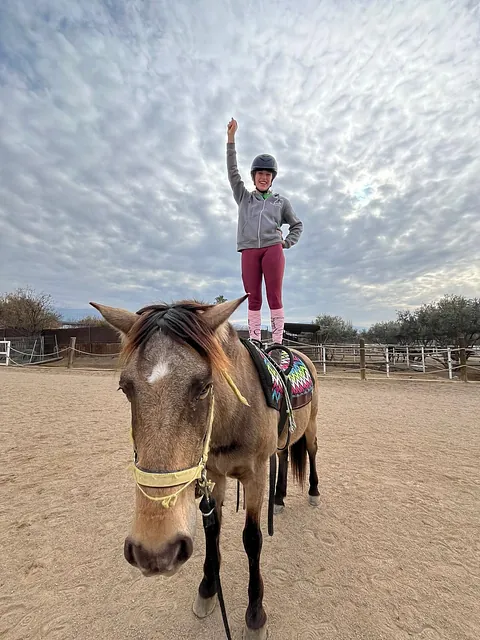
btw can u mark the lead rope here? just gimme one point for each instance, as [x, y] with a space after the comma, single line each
[271, 492]
[212, 530]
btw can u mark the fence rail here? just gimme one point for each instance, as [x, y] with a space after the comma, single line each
[4, 352]
[365, 360]
[23, 351]
[394, 360]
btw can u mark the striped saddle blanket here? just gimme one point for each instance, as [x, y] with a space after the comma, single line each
[300, 382]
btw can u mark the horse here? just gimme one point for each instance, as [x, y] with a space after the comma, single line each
[194, 393]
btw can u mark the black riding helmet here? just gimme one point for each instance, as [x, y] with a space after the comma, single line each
[264, 162]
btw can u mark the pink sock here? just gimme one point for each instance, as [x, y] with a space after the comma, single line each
[255, 324]
[278, 323]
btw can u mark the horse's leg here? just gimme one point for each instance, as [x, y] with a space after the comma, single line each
[311, 438]
[255, 616]
[281, 489]
[207, 591]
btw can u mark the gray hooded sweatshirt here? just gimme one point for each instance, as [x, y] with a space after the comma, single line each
[260, 219]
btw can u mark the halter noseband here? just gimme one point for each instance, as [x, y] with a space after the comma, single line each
[185, 477]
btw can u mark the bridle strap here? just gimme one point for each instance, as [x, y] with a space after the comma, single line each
[166, 501]
[164, 480]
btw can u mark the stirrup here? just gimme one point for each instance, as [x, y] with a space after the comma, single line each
[276, 348]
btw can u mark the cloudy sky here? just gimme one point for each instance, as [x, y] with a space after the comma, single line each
[113, 119]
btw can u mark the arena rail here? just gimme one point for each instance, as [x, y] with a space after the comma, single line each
[5, 352]
[369, 361]
[34, 355]
[393, 360]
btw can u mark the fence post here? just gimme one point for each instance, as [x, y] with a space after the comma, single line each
[463, 360]
[423, 359]
[324, 360]
[449, 362]
[71, 352]
[387, 361]
[362, 359]
[408, 356]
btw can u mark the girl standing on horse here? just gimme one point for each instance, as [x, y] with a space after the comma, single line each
[261, 215]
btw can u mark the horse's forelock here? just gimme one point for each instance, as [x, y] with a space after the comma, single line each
[184, 323]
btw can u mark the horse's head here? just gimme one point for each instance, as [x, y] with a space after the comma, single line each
[170, 356]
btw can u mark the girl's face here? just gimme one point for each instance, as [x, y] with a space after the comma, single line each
[263, 180]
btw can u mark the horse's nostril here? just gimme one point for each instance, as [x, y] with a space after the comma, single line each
[166, 559]
[128, 552]
[185, 549]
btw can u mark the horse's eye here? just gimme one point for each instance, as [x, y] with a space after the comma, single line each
[126, 388]
[205, 391]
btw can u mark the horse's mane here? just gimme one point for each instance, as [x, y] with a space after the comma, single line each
[183, 322]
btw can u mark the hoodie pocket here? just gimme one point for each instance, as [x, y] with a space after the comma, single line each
[271, 224]
[249, 230]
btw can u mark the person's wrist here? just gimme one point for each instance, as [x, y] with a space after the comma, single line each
[231, 139]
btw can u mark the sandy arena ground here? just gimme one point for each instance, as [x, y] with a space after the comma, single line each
[392, 553]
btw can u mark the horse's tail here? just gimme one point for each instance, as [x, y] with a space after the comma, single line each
[298, 453]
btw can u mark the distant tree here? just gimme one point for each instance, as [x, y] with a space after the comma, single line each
[443, 322]
[415, 327]
[334, 329]
[91, 321]
[455, 317]
[29, 311]
[383, 333]
[220, 299]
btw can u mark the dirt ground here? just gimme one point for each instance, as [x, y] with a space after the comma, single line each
[392, 552]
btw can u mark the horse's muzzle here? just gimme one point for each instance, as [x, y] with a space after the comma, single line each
[166, 561]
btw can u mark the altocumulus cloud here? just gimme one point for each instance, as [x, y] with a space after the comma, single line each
[113, 127]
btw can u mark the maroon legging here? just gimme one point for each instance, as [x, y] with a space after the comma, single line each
[269, 262]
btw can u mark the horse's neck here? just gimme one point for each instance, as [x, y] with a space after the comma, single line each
[242, 371]
[236, 352]
[231, 422]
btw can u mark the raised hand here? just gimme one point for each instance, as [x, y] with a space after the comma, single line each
[232, 129]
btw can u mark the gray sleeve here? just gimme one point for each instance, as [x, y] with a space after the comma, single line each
[236, 182]
[296, 226]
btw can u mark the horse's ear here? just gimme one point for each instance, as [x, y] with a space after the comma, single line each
[220, 313]
[119, 319]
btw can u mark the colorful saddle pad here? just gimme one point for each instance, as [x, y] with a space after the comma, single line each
[299, 378]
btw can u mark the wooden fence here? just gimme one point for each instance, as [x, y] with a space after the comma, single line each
[364, 360]
[394, 360]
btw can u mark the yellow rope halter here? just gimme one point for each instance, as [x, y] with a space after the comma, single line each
[184, 477]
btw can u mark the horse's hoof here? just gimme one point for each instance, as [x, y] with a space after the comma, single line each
[203, 607]
[255, 634]
[278, 508]
[314, 500]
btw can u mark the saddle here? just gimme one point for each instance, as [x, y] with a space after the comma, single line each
[291, 376]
